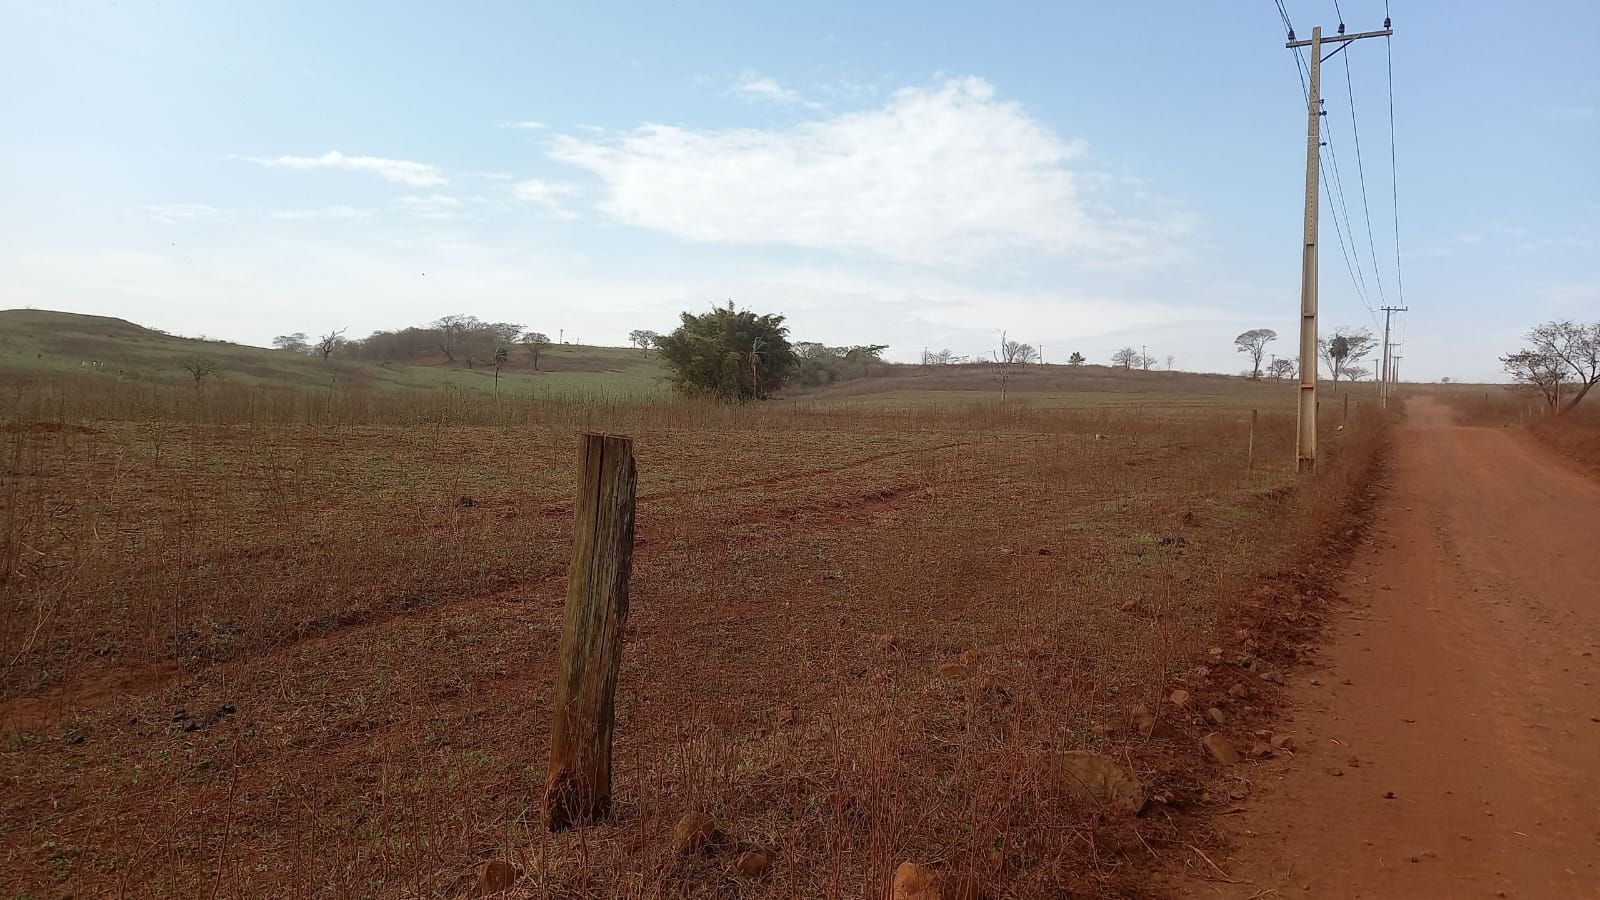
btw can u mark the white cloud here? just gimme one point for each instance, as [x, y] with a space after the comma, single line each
[400, 171]
[525, 125]
[755, 87]
[432, 206]
[321, 213]
[175, 213]
[940, 176]
[546, 194]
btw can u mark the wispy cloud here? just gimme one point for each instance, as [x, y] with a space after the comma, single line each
[943, 175]
[763, 89]
[321, 213]
[432, 206]
[525, 125]
[176, 213]
[547, 194]
[400, 171]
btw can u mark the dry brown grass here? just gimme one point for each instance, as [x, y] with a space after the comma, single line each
[256, 644]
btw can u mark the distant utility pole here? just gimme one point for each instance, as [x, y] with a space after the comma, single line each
[1396, 367]
[1385, 374]
[1306, 445]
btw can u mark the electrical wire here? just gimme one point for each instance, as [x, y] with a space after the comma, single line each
[1334, 189]
[1394, 168]
[1361, 171]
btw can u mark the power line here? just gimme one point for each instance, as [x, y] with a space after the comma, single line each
[1361, 170]
[1335, 189]
[1394, 168]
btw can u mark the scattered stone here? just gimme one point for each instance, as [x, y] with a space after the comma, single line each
[1274, 676]
[1353, 762]
[970, 657]
[1179, 698]
[1238, 691]
[1283, 742]
[694, 832]
[953, 670]
[751, 863]
[1097, 779]
[1336, 772]
[914, 881]
[1388, 795]
[1129, 605]
[1217, 716]
[496, 875]
[1216, 652]
[1260, 750]
[1220, 749]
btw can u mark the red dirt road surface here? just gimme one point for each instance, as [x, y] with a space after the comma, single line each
[1448, 744]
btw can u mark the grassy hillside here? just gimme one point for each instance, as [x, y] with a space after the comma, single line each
[45, 343]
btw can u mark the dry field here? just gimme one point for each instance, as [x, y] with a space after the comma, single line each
[261, 643]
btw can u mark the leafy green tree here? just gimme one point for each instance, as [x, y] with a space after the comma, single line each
[729, 354]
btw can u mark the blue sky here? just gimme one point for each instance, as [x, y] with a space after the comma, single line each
[1083, 176]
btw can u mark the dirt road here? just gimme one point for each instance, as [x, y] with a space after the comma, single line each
[1450, 733]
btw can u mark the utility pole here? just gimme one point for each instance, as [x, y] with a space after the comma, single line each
[1384, 373]
[1396, 370]
[1306, 444]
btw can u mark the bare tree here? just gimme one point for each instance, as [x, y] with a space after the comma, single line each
[938, 357]
[330, 342]
[294, 343]
[1170, 360]
[1127, 357]
[1146, 362]
[199, 368]
[535, 341]
[451, 329]
[1282, 369]
[1576, 347]
[1254, 342]
[1016, 352]
[1545, 373]
[1343, 352]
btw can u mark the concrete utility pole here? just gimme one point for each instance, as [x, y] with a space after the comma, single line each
[1384, 372]
[1306, 445]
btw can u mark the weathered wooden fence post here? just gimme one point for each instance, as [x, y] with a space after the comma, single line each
[579, 784]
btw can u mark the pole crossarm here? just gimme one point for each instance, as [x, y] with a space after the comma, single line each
[1343, 37]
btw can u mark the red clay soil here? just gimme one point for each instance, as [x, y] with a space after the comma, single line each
[1447, 743]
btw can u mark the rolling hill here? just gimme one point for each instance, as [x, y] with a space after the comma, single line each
[42, 343]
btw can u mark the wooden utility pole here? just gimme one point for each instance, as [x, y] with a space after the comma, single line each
[578, 788]
[1306, 445]
[1384, 374]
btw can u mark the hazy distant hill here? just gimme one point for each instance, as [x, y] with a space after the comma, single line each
[42, 343]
